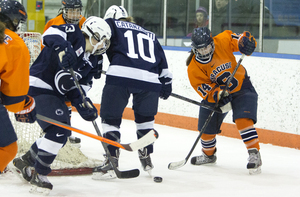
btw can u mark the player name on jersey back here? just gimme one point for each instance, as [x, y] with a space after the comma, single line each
[128, 25]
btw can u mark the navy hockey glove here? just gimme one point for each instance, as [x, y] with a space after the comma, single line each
[226, 98]
[247, 43]
[166, 90]
[28, 114]
[68, 58]
[88, 113]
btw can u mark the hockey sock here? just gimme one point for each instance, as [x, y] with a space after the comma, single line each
[248, 132]
[144, 124]
[7, 154]
[115, 136]
[208, 142]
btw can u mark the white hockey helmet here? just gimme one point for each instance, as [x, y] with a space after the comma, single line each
[98, 29]
[116, 12]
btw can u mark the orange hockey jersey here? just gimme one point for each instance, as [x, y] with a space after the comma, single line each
[14, 71]
[59, 20]
[204, 78]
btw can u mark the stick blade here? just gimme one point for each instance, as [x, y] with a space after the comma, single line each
[147, 139]
[128, 174]
[176, 165]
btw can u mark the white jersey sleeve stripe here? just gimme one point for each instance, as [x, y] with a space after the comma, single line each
[54, 31]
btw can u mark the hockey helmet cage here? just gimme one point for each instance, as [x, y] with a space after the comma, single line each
[201, 39]
[98, 29]
[71, 10]
[14, 13]
[116, 12]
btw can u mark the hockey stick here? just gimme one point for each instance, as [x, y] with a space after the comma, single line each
[147, 139]
[187, 99]
[120, 174]
[196, 103]
[176, 165]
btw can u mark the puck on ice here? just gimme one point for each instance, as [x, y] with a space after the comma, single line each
[157, 179]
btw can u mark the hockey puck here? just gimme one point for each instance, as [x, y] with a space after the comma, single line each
[157, 179]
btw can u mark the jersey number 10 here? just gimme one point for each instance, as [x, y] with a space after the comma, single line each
[140, 45]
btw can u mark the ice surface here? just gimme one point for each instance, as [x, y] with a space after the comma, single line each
[229, 177]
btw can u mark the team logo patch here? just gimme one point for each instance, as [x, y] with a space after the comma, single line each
[64, 81]
[79, 51]
[59, 112]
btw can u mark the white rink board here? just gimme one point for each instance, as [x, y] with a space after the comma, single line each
[276, 80]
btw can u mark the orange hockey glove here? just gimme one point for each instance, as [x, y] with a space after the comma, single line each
[28, 114]
[217, 96]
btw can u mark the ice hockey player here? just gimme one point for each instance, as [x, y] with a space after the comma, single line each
[210, 65]
[14, 79]
[138, 67]
[70, 13]
[66, 46]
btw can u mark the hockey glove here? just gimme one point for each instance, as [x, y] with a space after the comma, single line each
[67, 57]
[217, 96]
[166, 90]
[28, 114]
[89, 112]
[247, 43]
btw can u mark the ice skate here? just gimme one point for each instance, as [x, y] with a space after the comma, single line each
[145, 160]
[254, 164]
[204, 159]
[105, 171]
[40, 184]
[23, 166]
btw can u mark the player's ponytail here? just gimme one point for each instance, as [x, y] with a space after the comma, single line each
[189, 59]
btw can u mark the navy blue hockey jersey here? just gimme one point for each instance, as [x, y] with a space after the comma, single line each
[46, 76]
[136, 58]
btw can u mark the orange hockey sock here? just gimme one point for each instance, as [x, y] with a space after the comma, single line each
[208, 142]
[7, 154]
[248, 132]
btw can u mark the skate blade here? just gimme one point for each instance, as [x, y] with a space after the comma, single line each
[148, 168]
[101, 176]
[149, 172]
[204, 164]
[40, 191]
[255, 171]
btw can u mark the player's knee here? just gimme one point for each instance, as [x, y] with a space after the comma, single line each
[141, 119]
[57, 134]
[113, 122]
[242, 123]
[144, 124]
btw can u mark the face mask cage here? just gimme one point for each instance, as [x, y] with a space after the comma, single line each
[105, 46]
[19, 25]
[204, 53]
[72, 15]
[103, 42]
